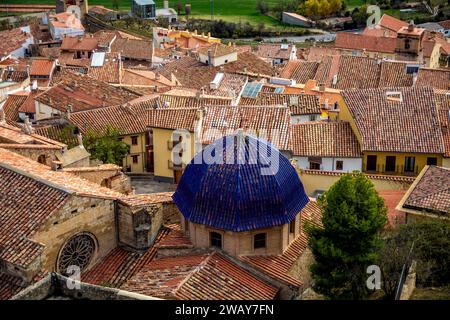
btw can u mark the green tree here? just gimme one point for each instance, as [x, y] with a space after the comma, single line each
[106, 146]
[353, 216]
[178, 7]
[115, 4]
[262, 6]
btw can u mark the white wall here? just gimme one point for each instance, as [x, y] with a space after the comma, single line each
[329, 164]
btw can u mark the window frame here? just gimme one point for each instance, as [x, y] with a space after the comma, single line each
[215, 236]
[260, 243]
[341, 165]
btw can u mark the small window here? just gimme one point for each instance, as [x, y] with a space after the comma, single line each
[259, 241]
[314, 166]
[410, 164]
[412, 69]
[339, 165]
[134, 140]
[431, 161]
[292, 226]
[215, 239]
[42, 159]
[407, 44]
[135, 159]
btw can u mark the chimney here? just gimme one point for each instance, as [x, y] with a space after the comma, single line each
[27, 127]
[411, 26]
[166, 4]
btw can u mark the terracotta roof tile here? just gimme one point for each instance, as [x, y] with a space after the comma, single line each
[42, 67]
[133, 48]
[391, 23]
[354, 41]
[11, 40]
[201, 276]
[436, 78]
[217, 50]
[83, 93]
[409, 125]
[79, 44]
[324, 139]
[432, 192]
[128, 118]
[298, 103]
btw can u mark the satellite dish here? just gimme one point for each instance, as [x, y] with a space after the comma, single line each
[74, 9]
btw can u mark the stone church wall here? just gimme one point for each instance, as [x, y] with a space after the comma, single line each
[78, 215]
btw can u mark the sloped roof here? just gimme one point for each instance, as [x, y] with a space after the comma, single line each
[83, 92]
[199, 276]
[42, 67]
[297, 103]
[355, 41]
[238, 196]
[324, 139]
[431, 192]
[410, 125]
[436, 78]
[217, 50]
[128, 118]
[391, 23]
[23, 199]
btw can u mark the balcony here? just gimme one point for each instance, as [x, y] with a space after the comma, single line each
[398, 171]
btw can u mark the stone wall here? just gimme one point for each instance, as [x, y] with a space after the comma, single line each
[34, 154]
[132, 225]
[171, 214]
[78, 215]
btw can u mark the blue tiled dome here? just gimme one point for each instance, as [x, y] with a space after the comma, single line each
[235, 195]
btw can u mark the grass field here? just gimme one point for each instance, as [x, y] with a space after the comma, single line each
[228, 10]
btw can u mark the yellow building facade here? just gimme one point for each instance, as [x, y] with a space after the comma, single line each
[135, 161]
[166, 146]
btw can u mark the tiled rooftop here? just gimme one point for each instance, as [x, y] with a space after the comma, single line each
[432, 192]
[324, 139]
[388, 124]
[201, 276]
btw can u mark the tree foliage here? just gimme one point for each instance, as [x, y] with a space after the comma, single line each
[320, 8]
[353, 216]
[431, 251]
[262, 6]
[106, 146]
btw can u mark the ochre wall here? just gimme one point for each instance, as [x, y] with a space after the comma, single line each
[313, 182]
[420, 162]
[138, 150]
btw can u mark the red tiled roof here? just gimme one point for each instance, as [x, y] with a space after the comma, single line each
[410, 125]
[128, 118]
[179, 118]
[120, 265]
[10, 286]
[324, 139]
[79, 44]
[12, 105]
[391, 23]
[201, 276]
[443, 105]
[83, 93]
[133, 48]
[347, 40]
[11, 40]
[299, 70]
[298, 103]
[432, 192]
[436, 78]
[42, 67]
[24, 200]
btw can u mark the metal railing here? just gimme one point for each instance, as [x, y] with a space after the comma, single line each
[398, 170]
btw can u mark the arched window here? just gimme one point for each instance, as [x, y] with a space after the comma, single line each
[259, 240]
[215, 239]
[42, 159]
[77, 251]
